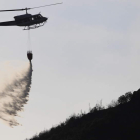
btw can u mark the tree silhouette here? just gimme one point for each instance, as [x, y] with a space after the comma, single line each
[122, 99]
[128, 96]
[125, 98]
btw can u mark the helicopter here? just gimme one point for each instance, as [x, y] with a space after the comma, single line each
[27, 20]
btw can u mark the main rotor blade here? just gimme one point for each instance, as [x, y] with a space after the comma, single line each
[14, 10]
[28, 8]
[47, 5]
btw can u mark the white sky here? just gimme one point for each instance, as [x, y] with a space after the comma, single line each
[88, 51]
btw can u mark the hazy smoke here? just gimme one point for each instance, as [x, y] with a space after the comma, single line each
[14, 91]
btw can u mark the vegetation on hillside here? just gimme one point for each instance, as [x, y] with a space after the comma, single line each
[119, 121]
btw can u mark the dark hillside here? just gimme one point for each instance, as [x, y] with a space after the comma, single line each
[120, 121]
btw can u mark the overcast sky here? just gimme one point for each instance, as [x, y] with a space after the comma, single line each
[89, 50]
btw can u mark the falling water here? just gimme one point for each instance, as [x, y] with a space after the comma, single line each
[14, 91]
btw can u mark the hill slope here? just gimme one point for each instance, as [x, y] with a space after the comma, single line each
[120, 121]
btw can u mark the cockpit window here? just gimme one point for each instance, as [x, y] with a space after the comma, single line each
[37, 17]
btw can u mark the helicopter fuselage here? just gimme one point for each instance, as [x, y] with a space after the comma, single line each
[26, 20]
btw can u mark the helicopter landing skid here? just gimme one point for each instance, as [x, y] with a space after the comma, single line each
[34, 26]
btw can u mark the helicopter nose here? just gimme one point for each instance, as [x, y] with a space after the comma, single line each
[45, 18]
